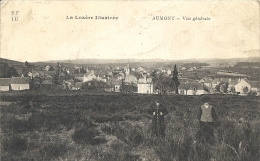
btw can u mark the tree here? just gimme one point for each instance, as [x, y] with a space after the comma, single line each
[12, 72]
[186, 87]
[31, 84]
[122, 85]
[174, 80]
[56, 77]
[245, 89]
[222, 87]
[4, 70]
[232, 89]
[26, 64]
[226, 87]
[39, 80]
[161, 83]
[82, 70]
[154, 74]
[51, 68]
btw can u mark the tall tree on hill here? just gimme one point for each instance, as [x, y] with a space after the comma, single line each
[56, 78]
[12, 72]
[122, 84]
[175, 81]
[26, 64]
[4, 70]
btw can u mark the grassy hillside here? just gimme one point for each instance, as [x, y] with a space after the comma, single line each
[117, 127]
[10, 62]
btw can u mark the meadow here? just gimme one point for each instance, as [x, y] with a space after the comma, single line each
[116, 127]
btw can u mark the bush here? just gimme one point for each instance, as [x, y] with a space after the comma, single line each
[119, 154]
[85, 136]
[132, 116]
[135, 136]
[53, 149]
[14, 144]
[106, 118]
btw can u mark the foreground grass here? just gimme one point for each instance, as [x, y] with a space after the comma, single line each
[117, 127]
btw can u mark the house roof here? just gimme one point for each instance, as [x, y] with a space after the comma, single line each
[5, 81]
[224, 79]
[14, 80]
[215, 81]
[207, 80]
[191, 86]
[114, 82]
[183, 80]
[100, 73]
[20, 80]
[145, 80]
[79, 75]
[230, 81]
[233, 81]
[202, 81]
[142, 80]
[130, 78]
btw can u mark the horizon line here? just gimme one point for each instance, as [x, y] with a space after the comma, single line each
[156, 59]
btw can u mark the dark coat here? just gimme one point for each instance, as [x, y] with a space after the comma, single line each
[158, 124]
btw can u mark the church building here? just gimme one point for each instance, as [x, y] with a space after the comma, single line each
[129, 79]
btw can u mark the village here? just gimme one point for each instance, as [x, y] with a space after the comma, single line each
[192, 79]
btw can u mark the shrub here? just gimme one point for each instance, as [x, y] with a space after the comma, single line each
[106, 118]
[135, 136]
[14, 144]
[120, 154]
[132, 116]
[86, 136]
[53, 149]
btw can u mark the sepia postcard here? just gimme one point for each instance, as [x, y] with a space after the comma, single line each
[137, 80]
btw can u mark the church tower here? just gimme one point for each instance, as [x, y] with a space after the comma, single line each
[127, 70]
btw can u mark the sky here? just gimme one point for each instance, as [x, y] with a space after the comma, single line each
[43, 33]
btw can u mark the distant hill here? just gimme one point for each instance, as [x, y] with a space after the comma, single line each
[10, 62]
[123, 61]
[106, 61]
[120, 61]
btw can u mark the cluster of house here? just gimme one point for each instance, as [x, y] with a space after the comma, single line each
[123, 80]
[14, 83]
[226, 85]
[118, 81]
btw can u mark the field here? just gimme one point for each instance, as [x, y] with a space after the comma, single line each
[113, 127]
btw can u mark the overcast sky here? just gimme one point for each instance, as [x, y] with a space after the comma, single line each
[42, 31]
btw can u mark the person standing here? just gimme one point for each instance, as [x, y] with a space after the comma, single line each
[206, 116]
[158, 111]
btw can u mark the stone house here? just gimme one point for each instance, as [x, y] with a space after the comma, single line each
[192, 88]
[145, 85]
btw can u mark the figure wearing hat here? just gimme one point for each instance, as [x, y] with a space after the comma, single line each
[158, 111]
[207, 117]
